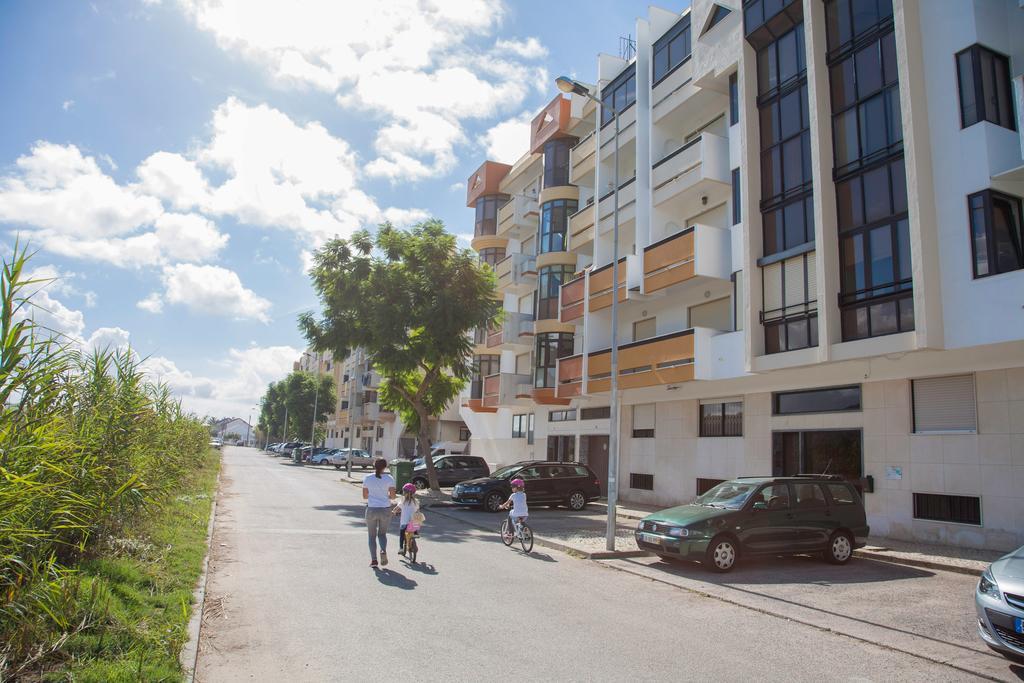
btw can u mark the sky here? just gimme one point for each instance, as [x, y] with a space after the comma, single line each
[175, 163]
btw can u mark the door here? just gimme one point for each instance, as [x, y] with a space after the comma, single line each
[594, 452]
[824, 451]
[812, 516]
[768, 523]
[561, 448]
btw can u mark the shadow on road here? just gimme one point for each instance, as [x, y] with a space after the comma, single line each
[438, 528]
[421, 567]
[392, 578]
[1018, 671]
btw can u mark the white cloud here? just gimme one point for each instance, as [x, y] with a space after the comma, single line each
[531, 48]
[213, 290]
[67, 104]
[455, 187]
[403, 218]
[173, 178]
[188, 237]
[108, 339]
[508, 140]
[420, 68]
[152, 303]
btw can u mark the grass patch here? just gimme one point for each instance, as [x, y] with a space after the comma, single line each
[141, 582]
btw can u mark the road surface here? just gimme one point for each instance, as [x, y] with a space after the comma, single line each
[291, 597]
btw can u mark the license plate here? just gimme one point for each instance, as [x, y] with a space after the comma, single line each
[650, 538]
[1018, 625]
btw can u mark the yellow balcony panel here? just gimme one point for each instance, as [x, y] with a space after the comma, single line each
[600, 295]
[550, 194]
[667, 359]
[570, 377]
[573, 295]
[700, 251]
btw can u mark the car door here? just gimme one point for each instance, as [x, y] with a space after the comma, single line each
[563, 481]
[538, 484]
[767, 525]
[447, 471]
[814, 522]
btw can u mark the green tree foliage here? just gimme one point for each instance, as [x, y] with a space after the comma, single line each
[86, 444]
[410, 300]
[295, 397]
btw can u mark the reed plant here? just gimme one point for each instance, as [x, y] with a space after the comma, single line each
[88, 447]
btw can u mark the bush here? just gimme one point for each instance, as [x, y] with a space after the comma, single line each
[86, 445]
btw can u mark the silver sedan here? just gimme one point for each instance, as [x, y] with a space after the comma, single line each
[999, 600]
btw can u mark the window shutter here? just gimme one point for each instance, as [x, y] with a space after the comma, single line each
[643, 416]
[795, 282]
[773, 288]
[945, 404]
[812, 276]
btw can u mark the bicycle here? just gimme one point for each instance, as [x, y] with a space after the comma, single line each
[521, 530]
[411, 547]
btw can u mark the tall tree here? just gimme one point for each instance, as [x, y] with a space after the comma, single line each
[409, 299]
[294, 397]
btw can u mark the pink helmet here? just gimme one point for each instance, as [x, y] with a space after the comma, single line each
[518, 483]
[409, 488]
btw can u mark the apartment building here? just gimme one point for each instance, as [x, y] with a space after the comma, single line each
[821, 263]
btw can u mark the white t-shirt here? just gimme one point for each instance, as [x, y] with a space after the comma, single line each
[519, 508]
[408, 507]
[378, 489]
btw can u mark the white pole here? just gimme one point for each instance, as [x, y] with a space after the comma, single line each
[613, 413]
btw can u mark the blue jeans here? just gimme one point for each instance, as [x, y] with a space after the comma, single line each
[377, 520]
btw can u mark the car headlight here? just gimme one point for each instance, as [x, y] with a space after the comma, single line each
[679, 532]
[987, 584]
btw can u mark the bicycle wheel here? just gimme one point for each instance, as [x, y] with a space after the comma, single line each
[527, 539]
[413, 549]
[507, 532]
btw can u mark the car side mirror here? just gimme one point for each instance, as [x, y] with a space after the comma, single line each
[760, 505]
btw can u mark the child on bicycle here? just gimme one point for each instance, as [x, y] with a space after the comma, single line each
[517, 502]
[407, 508]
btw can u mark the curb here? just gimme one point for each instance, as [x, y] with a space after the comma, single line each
[189, 656]
[913, 562]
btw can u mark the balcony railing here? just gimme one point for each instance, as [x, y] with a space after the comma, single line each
[520, 212]
[570, 376]
[581, 159]
[669, 261]
[515, 330]
[581, 227]
[667, 359]
[573, 295]
[697, 169]
[600, 295]
[517, 273]
[503, 389]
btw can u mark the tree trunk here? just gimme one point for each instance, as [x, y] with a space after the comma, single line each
[423, 438]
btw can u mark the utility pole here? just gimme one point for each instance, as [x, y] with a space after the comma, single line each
[351, 426]
[316, 399]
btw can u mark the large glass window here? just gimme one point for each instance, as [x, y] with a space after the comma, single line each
[672, 49]
[997, 237]
[830, 400]
[620, 94]
[492, 255]
[482, 367]
[986, 93]
[721, 419]
[734, 99]
[550, 346]
[549, 280]
[554, 223]
[487, 214]
[556, 161]
[876, 283]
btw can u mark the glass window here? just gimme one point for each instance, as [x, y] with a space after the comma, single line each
[771, 497]
[556, 161]
[492, 255]
[483, 366]
[519, 426]
[549, 281]
[986, 93]
[841, 494]
[562, 415]
[846, 20]
[832, 400]
[808, 496]
[554, 222]
[550, 346]
[946, 508]
[601, 413]
[721, 419]
[487, 214]
[997, 236]
[620, 94]
[736, 214]
[672, 49]
[734, 100]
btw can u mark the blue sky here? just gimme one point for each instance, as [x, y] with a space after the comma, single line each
[175, 162]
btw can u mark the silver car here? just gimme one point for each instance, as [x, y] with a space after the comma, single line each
[999, 600]
[360, 458]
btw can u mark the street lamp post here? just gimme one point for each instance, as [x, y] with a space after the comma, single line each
[569, 85]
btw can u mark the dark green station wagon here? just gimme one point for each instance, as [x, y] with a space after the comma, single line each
[760, 516]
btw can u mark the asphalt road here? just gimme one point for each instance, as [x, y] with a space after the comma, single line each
[291, 597]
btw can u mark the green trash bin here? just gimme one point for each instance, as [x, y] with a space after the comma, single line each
[401, 470]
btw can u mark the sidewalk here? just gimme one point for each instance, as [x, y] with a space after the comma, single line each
[583, 534]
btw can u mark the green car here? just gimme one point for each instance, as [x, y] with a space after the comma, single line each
[760, 516]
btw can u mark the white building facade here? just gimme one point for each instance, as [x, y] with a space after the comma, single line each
[821, 262]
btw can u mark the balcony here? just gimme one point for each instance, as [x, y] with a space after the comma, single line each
[573, 294]
[581, 161]
[514, 333]
[694, 176]
[627, 205]
[547, 396]
[504, 389]
[370, 379]
[581, 227]
[600, 294]
[517, 273]
[519, 217]
[697, 252]
[570, 377]
[667, 359]
[627, 134]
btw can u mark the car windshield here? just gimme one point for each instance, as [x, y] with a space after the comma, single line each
[730, 495]
[506, 472]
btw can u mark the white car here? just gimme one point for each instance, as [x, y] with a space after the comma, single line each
[216, 443]
[339, 458]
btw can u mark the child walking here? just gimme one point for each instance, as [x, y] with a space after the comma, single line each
[407, 508]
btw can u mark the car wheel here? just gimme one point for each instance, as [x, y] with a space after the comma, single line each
[722, 554]
[420, 483]
[840, 548]
[577, 501]
[493, 501]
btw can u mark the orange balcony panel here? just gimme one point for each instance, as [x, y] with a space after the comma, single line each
[667, 359]
[573, 294]
[493, 338]
[552, 122]
[492, 387]
[485, 180]
[570, 377]
[477, 406]
[546, 396]
[601, 286]
[669, 261]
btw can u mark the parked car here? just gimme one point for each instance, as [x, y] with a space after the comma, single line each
[321, 456]
[547, 483]
[287, 447]
[760, 516]
[360, 458]
[216, 443]
[999, 601]
[270, 447]
[449, 448]
[451, 469]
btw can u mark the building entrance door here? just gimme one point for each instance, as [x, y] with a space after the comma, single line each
[826, 451]
[594, 452]
[561, 448]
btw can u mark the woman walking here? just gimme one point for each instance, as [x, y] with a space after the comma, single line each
[378, 492]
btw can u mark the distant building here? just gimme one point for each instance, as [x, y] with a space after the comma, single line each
[235, 425]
